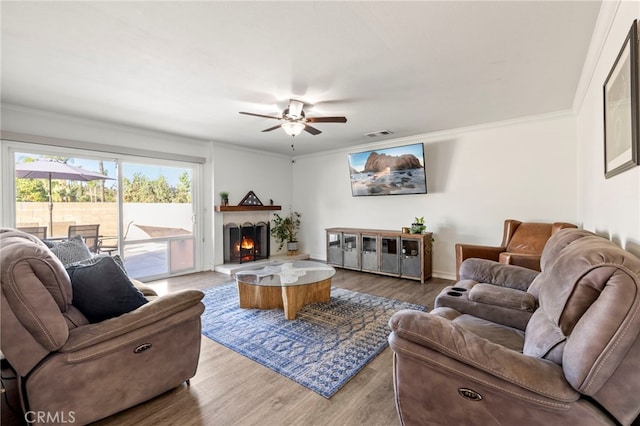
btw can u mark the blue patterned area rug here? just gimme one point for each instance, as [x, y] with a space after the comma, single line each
[322, 349]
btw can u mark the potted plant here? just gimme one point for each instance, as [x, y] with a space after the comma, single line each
[224, 198]
[418, 226]
[285, 230]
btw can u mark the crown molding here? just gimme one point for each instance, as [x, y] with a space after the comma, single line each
[604, 23]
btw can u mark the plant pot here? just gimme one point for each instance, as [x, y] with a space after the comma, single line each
[418, 228]
[292, 247]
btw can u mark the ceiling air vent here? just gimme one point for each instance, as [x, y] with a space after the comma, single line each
[378, 133]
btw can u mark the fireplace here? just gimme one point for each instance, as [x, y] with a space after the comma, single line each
[246, 243]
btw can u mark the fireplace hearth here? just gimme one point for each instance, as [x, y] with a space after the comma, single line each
[246, 242]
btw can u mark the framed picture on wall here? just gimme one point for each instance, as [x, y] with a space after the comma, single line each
[621, 110]
[388, 171]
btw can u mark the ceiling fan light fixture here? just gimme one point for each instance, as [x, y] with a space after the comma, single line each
[294, 120]
[295, 109]
[293, 128]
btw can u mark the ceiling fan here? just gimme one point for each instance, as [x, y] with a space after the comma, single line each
[295, 120]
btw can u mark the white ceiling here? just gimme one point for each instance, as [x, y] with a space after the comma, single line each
[189, 67]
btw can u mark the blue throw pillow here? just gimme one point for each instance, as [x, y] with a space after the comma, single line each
[101, 290]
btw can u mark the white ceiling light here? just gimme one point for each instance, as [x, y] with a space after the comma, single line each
[293, 128]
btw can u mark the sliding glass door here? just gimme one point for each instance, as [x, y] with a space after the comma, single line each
[145, 208]
[159, 218]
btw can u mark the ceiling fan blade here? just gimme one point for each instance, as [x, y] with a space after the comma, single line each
[312, 130]
[260, 115]
[272, 128]
[326, 119]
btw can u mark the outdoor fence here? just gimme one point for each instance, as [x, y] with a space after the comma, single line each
[170, 215]
[65, 214]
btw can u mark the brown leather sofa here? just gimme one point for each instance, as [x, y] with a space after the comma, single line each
[577, 361]
[68, 368]
[522, 244]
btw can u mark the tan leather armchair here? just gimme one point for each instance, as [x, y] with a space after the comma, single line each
[74, 369]
[522, 244]
[576, 362]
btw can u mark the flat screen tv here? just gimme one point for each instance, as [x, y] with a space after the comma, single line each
[388, 171]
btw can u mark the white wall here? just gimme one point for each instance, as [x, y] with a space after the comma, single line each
[476, 178]
[610, 207]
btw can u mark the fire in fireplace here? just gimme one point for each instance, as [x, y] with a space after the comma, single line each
[246, 243]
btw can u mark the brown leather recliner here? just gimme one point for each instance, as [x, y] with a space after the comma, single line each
[71, 370]
[577, 361]
[522, 244]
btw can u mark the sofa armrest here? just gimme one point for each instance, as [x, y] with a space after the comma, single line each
[488, 303]
[503, 296]
[150, 313]
[466, 251]
[490, 272]
[147, 291]
[530, 261]
[441, 335]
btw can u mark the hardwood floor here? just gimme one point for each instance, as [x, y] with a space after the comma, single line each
[229, 389]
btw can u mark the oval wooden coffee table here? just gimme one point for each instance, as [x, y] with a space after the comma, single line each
[289, 286]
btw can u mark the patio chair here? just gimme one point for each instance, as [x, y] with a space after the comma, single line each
[60, 229]
[36, 231]
[110, 244]
[90, 234]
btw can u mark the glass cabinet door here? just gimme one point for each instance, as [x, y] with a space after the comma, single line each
[369, 253]
[389, 260]
[334, 248]
[410, 259]
[350, 248]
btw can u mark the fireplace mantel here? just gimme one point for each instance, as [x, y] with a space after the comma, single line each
[246, 208]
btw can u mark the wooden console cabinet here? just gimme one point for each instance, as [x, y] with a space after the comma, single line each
[381, 252]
